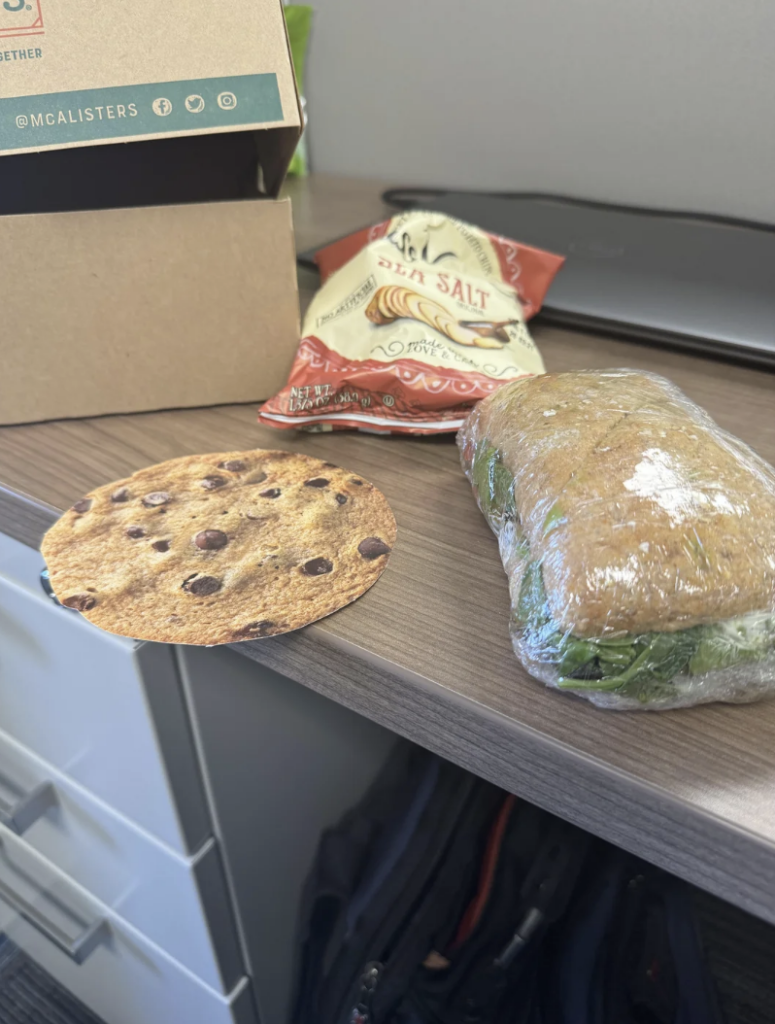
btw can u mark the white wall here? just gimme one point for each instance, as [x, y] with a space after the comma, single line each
[660, 102]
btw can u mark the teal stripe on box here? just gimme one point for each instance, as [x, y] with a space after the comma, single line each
[88, 115]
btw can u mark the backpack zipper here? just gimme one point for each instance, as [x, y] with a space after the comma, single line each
[361, 1012]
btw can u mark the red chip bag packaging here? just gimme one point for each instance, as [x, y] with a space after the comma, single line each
[417, 319]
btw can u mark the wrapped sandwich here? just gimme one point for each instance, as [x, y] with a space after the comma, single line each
[638, 539]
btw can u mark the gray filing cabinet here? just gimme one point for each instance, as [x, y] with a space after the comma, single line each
[111, 875]
[159, 810]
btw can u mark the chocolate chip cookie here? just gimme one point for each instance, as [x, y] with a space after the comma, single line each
[212, 549]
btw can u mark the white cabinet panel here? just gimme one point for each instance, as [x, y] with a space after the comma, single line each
[81, 699]
[180, 903]
[125, 979]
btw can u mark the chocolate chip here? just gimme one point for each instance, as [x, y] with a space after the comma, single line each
[202, 586]
[81, 602]
[373, 547]
[273, 492]
[357, 482]
[161, 545]
[319, 481]
[135, 532]
[233, 465]
[156, 498]
[83, 505]
[317, 567]
[211, 540]
[330, 465]
[342, 499]
[262, 628]
[122, 494]
[212, 483]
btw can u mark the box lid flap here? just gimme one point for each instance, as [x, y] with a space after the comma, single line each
[92, 73]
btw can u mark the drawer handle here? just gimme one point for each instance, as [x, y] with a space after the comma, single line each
[77, 949]
[23, 814]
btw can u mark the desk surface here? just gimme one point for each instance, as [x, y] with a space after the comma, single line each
[426, 652]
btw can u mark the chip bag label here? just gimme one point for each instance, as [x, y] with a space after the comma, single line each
[417, 319]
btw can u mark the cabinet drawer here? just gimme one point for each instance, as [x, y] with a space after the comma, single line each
[180, 903]
[121, 976]
[106, 711]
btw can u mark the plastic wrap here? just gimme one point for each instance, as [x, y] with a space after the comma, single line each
[638, 539]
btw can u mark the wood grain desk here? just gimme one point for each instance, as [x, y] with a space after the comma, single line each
[427, 653]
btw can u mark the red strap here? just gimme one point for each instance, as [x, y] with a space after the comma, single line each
[476, 907]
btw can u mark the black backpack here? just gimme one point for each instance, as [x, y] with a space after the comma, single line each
[441, 899]
[487, 967]
[392, 882]
[629, 951]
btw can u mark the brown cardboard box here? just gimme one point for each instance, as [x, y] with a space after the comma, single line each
[144, 261]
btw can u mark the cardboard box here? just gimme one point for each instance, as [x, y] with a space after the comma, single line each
[145, 262]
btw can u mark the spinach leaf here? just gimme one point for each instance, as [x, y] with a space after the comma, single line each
[494, 483]
[575, 655]
[532, 607]
[730, 643]
[662, 657]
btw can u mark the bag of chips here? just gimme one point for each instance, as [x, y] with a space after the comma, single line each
[417, 319]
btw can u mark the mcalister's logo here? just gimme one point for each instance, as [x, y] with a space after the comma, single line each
[20, 18]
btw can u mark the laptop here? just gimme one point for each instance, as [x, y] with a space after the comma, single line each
[681, 280]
